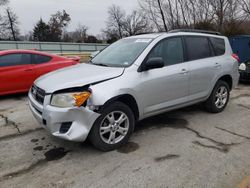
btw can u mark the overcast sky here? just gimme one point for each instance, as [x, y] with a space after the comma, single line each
[92, 13]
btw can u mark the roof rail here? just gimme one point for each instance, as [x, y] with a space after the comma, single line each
[195, 31]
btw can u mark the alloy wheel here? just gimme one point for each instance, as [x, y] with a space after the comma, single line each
[221, 97]
[114, 127]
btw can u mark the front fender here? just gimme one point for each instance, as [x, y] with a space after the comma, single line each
[104, 92]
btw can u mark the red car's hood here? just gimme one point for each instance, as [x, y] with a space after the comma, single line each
[76, 76]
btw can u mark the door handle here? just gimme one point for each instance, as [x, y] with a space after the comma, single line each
[184, 71]
[217, 65]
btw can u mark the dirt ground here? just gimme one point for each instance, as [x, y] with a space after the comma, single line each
[184, 148]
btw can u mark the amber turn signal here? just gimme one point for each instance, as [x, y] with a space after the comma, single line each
[80, 98]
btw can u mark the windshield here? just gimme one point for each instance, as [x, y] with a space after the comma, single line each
[122, 53]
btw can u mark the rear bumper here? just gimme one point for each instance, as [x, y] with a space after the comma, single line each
[79, 120]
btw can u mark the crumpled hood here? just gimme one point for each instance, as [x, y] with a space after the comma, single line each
[76, 76]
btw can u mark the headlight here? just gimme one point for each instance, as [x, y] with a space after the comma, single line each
[67, 100]
[242, 67]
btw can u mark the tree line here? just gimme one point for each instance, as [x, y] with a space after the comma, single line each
[230, 17]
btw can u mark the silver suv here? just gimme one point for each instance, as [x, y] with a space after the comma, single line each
[132, 79]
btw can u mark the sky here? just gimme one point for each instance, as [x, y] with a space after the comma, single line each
[92, 13]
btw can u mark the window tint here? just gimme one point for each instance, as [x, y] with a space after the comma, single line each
[218, 45]
[170, 50]
[198, 48]
[38, 59]
[15, 59]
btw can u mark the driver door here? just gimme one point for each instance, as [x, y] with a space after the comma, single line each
[165, 87]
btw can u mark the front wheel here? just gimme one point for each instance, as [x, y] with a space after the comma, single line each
[219, 97]
[113, 128]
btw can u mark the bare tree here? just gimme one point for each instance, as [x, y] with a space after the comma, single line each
[136, 23]
[155, 13]
[11, 23]
[80, 34]
[4, 2]
[116, 19]
[245, 6]
[220, 7]
[162, 15]
[2, 24]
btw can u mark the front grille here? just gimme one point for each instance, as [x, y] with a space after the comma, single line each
[38, 94]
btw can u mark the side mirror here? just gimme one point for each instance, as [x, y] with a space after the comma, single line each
[154, 63]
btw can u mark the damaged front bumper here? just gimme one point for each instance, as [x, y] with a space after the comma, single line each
[72, 124]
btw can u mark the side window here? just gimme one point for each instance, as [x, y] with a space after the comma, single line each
[218, 45]
[198, 48]
[15, 59]
[39, 59]
[170, 50]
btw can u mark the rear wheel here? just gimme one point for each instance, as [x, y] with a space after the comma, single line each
[113, 128]
[219, 97]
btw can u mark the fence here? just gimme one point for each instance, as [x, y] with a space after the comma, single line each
[54, 47]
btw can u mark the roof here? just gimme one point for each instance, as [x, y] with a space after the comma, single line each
[148, 36]
[195, 31]
[180, 32]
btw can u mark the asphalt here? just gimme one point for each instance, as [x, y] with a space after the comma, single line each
[184, 148]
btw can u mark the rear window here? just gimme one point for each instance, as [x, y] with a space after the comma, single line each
[38, 59]
[198, 48]
[218, 45]
[15, 59]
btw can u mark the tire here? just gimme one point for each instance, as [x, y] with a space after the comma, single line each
[106, 128]
[212, 105]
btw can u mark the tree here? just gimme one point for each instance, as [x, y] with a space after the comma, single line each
[116, 19]
[57, 23]
[162, 14]
[110, 35]
[80, 34]
[41, 31]
[245, 6]
[53, 30]
[120, 25]
[11, 24]
[91, 39]
[135, 23]
[155, 13]
[2, 24]
[4, 2]
[226, 16]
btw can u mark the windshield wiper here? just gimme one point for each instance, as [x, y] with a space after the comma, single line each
[101, 64]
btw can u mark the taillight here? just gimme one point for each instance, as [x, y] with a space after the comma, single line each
[235, 56]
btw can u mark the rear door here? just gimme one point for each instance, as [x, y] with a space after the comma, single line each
[42, 64]
[204, 66]
[16, 73]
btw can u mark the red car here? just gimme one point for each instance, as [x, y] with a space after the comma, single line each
[20, 68]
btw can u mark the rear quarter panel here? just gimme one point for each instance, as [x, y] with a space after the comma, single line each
[52, 65]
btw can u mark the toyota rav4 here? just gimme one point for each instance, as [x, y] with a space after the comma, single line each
[132, 79]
